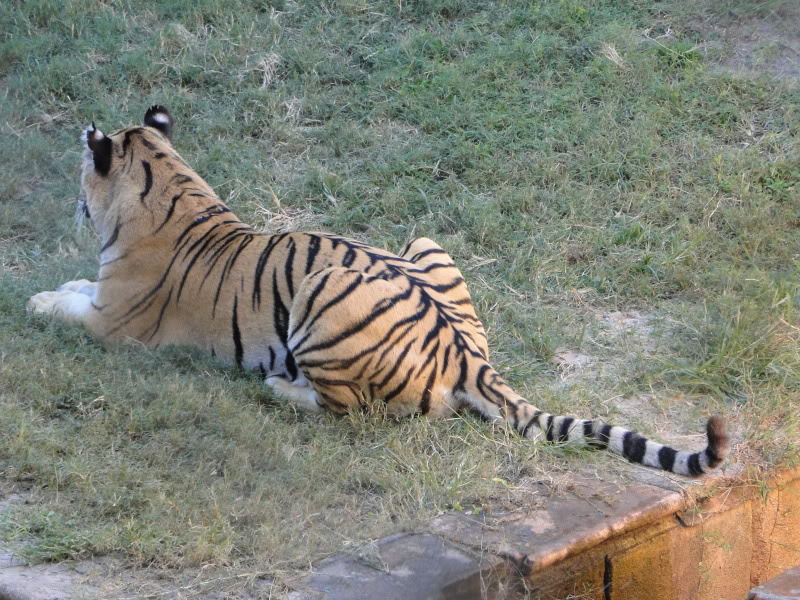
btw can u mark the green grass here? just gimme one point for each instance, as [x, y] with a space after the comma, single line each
[572, 166]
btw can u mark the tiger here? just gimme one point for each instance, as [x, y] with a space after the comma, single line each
[329, 322]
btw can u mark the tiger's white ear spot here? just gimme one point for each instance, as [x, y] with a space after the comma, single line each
[101, 147]
[92, 134]
[159, 118]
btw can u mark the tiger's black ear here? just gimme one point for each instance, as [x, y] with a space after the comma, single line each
[159, 118]
[101, 147]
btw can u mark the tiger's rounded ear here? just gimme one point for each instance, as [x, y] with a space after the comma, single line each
[159, 118]
[101, 146]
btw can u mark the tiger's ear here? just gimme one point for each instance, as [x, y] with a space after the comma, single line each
[159, 118]
[101, 146]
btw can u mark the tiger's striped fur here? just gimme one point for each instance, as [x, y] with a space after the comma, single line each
[330, 322]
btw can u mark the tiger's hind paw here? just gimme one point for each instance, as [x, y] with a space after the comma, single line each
[81, 286]
[302, 396]
[68, 305]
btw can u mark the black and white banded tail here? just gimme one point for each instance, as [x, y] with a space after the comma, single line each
[495, 400]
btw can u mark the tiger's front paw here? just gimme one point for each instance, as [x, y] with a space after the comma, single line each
[81, 286]
[70, 306]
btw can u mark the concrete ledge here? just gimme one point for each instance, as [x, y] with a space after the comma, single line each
[785, 586]
[600, 541]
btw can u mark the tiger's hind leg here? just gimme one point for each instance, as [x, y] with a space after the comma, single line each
[359, 338]
[424, 252]
[446, 284]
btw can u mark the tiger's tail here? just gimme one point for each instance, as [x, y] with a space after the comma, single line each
[491, 396]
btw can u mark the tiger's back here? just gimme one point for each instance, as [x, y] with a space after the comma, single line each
[330, 322]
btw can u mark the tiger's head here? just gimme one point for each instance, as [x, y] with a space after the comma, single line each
[117, 169]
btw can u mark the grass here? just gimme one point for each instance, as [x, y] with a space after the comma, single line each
[576, 166]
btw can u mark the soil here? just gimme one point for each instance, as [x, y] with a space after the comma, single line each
[752, 47]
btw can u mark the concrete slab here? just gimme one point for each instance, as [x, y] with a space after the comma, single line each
[420, 566]
[785, 586]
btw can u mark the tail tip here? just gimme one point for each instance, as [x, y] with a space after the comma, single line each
[719, 442]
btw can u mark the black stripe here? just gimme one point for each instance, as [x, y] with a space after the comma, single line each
[112, 240]
[588, 433]
[280, 314]
[429, 268]
[531, 421]
[198, 220]
[396, 366]
[218, 247]
[313, 250]
[634, 446]
[425, 404]
[289, 268]
[627, 441]
[380, 308]
[170, 211]
[548, 430]
[262, 370]
[666, 457]
[566, 423]
[604, 437]
[446, 359]
[261, 265]
[312, 297]
[462, 374]
[208, 237]
[142, 305]
[395, 392]
[127, 141]
[148, 180]
[230, 239]
[486, 389]
[291, 366]
[237, 336]
[425, 253]
[246, 240]
[441, 322]
[349, 257]
[693, 464]
[337, 364]
[271, 359]
[444, 287]
[157, 325]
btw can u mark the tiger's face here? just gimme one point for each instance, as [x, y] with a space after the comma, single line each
[109, 158]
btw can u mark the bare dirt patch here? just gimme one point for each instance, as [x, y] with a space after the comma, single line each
[19, 581]
[757, 45]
